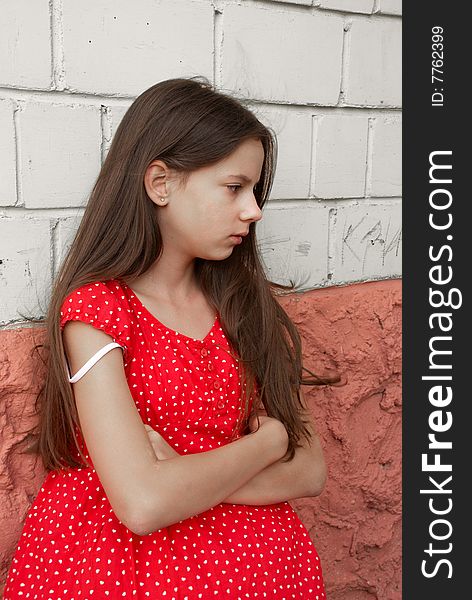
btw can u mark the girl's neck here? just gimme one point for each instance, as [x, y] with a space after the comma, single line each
[166, 285]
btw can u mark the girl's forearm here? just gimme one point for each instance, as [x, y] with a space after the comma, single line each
[304, 476]
[187, 485]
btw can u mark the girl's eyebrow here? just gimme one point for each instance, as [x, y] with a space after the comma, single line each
[243, 177]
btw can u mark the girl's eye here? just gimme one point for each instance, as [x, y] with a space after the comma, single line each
[233, 187]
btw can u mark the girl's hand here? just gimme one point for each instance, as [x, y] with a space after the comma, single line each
[162, 449]
[273, 430]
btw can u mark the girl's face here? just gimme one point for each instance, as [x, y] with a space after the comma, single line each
[201, 218]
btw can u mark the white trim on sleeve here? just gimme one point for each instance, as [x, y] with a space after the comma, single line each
[89, 364]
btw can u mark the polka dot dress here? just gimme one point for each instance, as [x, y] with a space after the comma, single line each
[73, 547]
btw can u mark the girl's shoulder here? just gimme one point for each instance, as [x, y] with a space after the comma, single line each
[95, 295]
[102, 304]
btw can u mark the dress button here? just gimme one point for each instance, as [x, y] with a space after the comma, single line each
[204, 352]
[210, 366]
[220, 405]
[216, 385]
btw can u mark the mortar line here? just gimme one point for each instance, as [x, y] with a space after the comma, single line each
[66, 96]
[369, 157]
[315, 8]
[57, 44]
[53, 226]
[105, 131]
[314, 143]
[19, 211]
[218, 37]
[16, 135]
[345, 60]
[332, 220]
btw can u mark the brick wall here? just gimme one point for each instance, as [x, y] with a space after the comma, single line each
[325, 75]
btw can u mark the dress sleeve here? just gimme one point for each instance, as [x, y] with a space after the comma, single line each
[101, 306]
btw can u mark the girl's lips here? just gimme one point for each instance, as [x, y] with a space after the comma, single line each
[237, 239]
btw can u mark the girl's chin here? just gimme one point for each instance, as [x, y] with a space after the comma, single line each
[218, 255]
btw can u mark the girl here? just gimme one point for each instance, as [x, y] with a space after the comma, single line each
[172, 455]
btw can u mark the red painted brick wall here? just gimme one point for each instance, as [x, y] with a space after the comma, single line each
[356, 522]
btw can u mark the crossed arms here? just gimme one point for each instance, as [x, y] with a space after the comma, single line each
[148, 490]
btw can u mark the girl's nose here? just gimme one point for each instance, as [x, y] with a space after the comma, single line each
[251, 210]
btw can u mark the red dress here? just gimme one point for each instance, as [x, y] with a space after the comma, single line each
[74, 547]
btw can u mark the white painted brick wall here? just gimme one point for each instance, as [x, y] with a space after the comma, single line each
[124, 47]
[367, 239]
[355, 6]
[116, 114]
[60, 153]
[304, 2]
[324, 74]
[65, 230]
[25, 44]
[391, 7]
[25, 266]
[7, 155]
[294, 243]
[294, 137]
[265, 50]
[339, 150]
[386, 157]
[374, 71]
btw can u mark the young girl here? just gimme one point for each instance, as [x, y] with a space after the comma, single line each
[173, 449]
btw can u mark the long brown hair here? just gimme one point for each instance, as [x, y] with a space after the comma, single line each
[187, 124]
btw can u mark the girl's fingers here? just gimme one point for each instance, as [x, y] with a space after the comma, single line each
[253, 422]
[162, 449]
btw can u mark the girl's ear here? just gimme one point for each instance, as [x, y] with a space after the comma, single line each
[156, 177]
